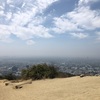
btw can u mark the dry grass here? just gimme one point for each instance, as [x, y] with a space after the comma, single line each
[75, 88]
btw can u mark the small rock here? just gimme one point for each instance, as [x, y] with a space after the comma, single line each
[82, 75]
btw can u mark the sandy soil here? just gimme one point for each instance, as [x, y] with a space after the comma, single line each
[75, 88]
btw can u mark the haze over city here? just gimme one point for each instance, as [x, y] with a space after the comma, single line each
[50, 28]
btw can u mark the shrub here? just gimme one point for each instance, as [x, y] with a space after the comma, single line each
[39, 71]
[42, 71]
[10, 76]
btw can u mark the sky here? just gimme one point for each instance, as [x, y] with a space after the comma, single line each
[50, 28]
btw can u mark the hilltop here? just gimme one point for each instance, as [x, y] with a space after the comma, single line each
[74, 88]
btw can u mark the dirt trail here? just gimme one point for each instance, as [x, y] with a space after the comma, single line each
[75, 88]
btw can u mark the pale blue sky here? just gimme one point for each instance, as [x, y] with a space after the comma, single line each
[55, 28]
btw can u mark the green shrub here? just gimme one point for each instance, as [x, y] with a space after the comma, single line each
[39, 71]
[42, 71]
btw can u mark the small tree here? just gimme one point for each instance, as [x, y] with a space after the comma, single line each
[39, 71]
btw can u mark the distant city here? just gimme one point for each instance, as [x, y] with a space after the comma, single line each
[74, 66]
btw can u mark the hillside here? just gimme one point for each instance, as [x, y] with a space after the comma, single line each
[75, 88]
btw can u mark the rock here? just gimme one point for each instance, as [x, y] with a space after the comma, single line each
[17, 87]
[82, 75]
[6, 84]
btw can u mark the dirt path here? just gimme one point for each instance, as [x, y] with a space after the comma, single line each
[76, 88]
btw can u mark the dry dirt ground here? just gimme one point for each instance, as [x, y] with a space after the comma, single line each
[75, 88]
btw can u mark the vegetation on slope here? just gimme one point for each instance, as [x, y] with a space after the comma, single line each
[42, 71]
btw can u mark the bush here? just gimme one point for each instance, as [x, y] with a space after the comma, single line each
[39, 71]
[10, 76]
[42, 71]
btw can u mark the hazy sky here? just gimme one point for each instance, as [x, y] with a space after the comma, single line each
[69, 28]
